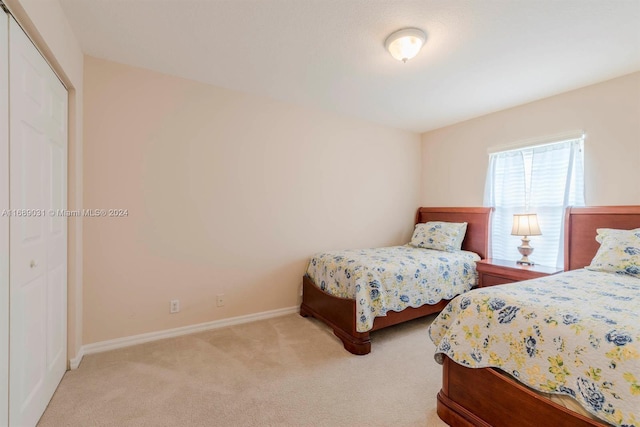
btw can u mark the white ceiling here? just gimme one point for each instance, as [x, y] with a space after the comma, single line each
[480, 56]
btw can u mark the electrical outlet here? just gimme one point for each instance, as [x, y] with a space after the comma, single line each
[220, 300]
[175, 305]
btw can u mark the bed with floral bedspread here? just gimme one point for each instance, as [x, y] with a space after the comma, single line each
[576, 333]
[392, 278]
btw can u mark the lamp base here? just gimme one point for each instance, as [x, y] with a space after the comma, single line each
[525, 250]
[525, 261]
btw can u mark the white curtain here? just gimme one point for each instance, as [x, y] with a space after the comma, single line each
[543, 180]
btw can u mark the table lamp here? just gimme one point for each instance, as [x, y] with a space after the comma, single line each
[525, 225]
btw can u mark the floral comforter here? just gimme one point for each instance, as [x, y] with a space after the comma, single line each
[392, 278]
[575, 333]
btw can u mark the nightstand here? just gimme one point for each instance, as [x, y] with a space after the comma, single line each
[494, 272]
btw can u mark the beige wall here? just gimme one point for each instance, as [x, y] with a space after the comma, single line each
[227, 193]
[455, 159]
[46, 24]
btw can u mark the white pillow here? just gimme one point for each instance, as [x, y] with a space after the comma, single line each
[439, 235]
[619, 252]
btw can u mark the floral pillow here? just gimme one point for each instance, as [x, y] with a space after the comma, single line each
[604, 232]
[439, 235]
[619, 252]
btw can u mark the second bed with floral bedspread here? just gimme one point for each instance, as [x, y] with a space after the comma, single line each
[576, 333]
[392, 278]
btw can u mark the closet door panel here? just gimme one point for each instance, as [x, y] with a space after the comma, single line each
[56, 169]
[56, 318]
[56, 237]
[31, 333]
[56, 223]
[38, 240]
[28, 156]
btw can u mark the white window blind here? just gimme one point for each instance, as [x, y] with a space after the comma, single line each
[543, 180]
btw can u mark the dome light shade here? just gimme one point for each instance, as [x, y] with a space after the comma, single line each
[405, 44]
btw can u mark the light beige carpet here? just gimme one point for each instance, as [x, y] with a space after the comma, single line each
[286, 371]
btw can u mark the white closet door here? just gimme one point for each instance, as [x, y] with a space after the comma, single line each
[4, 220]
[38, 243]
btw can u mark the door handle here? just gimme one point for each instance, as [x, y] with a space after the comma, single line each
[33, 264]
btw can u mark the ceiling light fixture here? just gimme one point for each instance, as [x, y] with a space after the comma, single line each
[405, 44]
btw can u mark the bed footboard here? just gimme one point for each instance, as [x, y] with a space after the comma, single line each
[485, 398]
[338, 313]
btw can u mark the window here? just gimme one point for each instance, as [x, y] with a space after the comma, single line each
[542, 179]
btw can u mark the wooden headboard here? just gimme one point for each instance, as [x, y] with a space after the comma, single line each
[580, 226]
[478, 225]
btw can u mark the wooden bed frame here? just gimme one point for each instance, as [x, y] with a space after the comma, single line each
[484, 397]
[340, 313]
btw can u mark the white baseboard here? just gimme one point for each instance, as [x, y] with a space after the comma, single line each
[101, 346]
[75, 362]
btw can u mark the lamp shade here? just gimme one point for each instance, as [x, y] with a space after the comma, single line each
[405, 44]
[525, 225]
